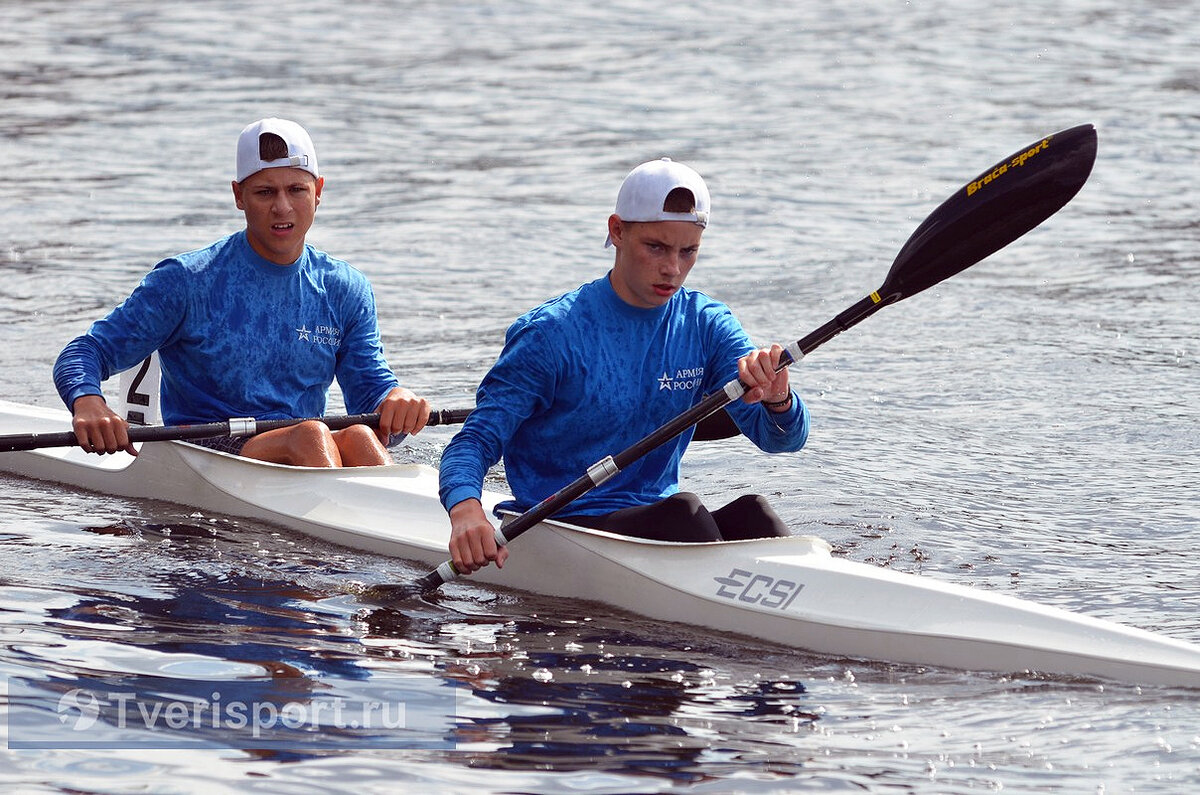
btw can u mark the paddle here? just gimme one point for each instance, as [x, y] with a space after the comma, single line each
[988, 213]
[233, 427]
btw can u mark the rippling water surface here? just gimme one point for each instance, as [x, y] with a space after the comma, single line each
[1030, 426]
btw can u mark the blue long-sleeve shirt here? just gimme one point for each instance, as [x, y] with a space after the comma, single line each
[586, 375]
[239, 336]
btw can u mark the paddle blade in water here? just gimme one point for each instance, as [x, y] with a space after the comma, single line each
[993, 210]
[389, 595]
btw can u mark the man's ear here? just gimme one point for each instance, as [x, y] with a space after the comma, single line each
[614, 228]
[237, 194]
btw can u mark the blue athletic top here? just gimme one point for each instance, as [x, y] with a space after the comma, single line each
[239, 336]
[587, 375]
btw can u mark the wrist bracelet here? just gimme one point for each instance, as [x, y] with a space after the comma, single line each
[787, 401]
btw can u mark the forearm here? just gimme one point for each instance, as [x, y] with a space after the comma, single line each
[463, 467]
[79, 370]
[773, 432]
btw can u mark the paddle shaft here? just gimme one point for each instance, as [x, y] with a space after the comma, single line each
[233, 427]
[607, 467]
[989, 212]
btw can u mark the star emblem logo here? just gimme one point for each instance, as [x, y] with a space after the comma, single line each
[304, 333]
[664, 382]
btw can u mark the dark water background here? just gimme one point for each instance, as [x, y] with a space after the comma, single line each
[1030, 426]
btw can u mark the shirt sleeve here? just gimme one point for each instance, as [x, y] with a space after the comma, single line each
[771, 432]
[362, 370]
[519, 385]
[79, 370]
[137, 327]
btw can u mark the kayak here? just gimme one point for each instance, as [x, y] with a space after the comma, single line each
[790, 591]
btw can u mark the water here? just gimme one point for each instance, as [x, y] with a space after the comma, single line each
[1030, 426]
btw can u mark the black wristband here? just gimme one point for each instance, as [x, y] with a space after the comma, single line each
[785, 402]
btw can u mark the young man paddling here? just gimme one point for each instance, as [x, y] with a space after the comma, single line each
[258, 324]
[593, 371]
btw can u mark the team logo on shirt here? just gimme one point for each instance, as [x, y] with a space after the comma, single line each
[319, 335]
[684, 379]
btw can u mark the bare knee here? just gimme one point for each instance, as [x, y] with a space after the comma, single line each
[306, 444]
[360, 446]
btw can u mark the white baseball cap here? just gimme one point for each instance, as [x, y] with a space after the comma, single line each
[301, 152]
[645, 189]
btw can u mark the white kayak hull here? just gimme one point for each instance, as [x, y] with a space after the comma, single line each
[789, 591]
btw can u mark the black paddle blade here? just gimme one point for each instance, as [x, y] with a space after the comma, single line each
[993, 210]
[388, 595]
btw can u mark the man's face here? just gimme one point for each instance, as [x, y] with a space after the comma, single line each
[279, 204]
[653, 259]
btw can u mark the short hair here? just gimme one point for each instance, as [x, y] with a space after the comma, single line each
[679, 200]
[271, 147]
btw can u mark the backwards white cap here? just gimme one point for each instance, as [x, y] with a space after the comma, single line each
[301, 152]
[644, 193]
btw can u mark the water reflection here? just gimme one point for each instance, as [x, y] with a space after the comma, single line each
[535, 693]
[572, 696]
[209, 658]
